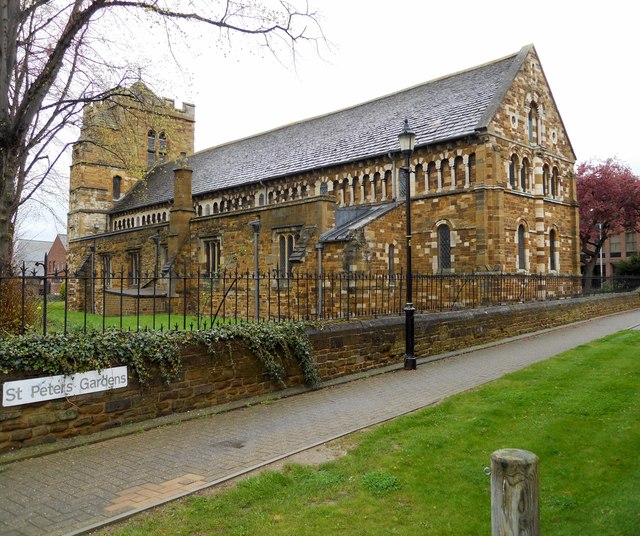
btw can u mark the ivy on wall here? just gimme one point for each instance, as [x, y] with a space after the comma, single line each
[271, 343]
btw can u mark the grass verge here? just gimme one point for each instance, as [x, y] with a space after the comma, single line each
[76, 320]
[422, 473]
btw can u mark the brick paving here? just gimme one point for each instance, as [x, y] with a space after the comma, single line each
[72, 491]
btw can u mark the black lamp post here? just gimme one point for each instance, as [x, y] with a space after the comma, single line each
[407, 143]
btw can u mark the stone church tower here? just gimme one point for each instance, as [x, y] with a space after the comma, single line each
[120, 141]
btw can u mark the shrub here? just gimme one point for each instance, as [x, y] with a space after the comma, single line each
[11, 312]
[73, 352]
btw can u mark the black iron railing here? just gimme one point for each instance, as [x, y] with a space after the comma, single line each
[195, 300]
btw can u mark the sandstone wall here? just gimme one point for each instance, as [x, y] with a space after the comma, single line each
[234, 374]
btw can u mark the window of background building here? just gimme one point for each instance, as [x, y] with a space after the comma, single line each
[631, 243]
[615, 246]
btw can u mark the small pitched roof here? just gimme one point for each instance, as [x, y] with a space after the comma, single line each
[30, 252]
[63, 240]
[446, 108]
[367, 214]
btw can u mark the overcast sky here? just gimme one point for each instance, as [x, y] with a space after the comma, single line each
[588, 50]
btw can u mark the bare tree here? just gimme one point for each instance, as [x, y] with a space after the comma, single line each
[49, 69]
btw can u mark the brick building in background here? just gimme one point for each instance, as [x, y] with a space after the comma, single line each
[617, 248]
[492, 187]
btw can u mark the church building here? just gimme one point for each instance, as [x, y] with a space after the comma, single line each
[491, 183]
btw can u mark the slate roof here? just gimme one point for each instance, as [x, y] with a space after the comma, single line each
[368, 214]
[446, 108]
[30, 252]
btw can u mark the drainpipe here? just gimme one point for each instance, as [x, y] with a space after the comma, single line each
[319, 247]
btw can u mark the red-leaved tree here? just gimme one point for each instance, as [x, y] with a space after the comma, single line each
[609, 197]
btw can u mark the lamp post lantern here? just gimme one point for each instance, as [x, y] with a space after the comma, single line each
[407, 140]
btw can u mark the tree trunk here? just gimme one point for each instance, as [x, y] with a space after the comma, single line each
[7, 208]
[6, 233]
[588, 273]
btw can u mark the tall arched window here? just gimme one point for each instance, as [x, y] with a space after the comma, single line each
[524, 174]
[392, 258]
[472, 168]
[545, 179]
[522, 261]
[513, 166]
[554, 182]
[445, 173]
[552, 251]
[444, 247]
[287, 242]
[458, 171]
[533, 124]
[151, 147]
[117, 185]
[162, 146]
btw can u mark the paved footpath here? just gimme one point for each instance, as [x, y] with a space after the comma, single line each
[72, 491]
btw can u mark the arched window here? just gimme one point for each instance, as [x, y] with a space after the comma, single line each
[117, 185]
[458, 171]
[286, 242]
[445, 173]
[162, 146]
[532, 125]
[392, 258]
[554, 182]
[444, 247]
[513, 167]
[472, 168]
[522, 261]
[524, 174]
[151, 148]
[545, 179]
[552, 251]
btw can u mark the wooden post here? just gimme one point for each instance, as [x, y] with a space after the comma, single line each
[515, 504]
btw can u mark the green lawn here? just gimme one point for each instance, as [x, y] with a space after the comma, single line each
[423, 473]
[76, 320]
